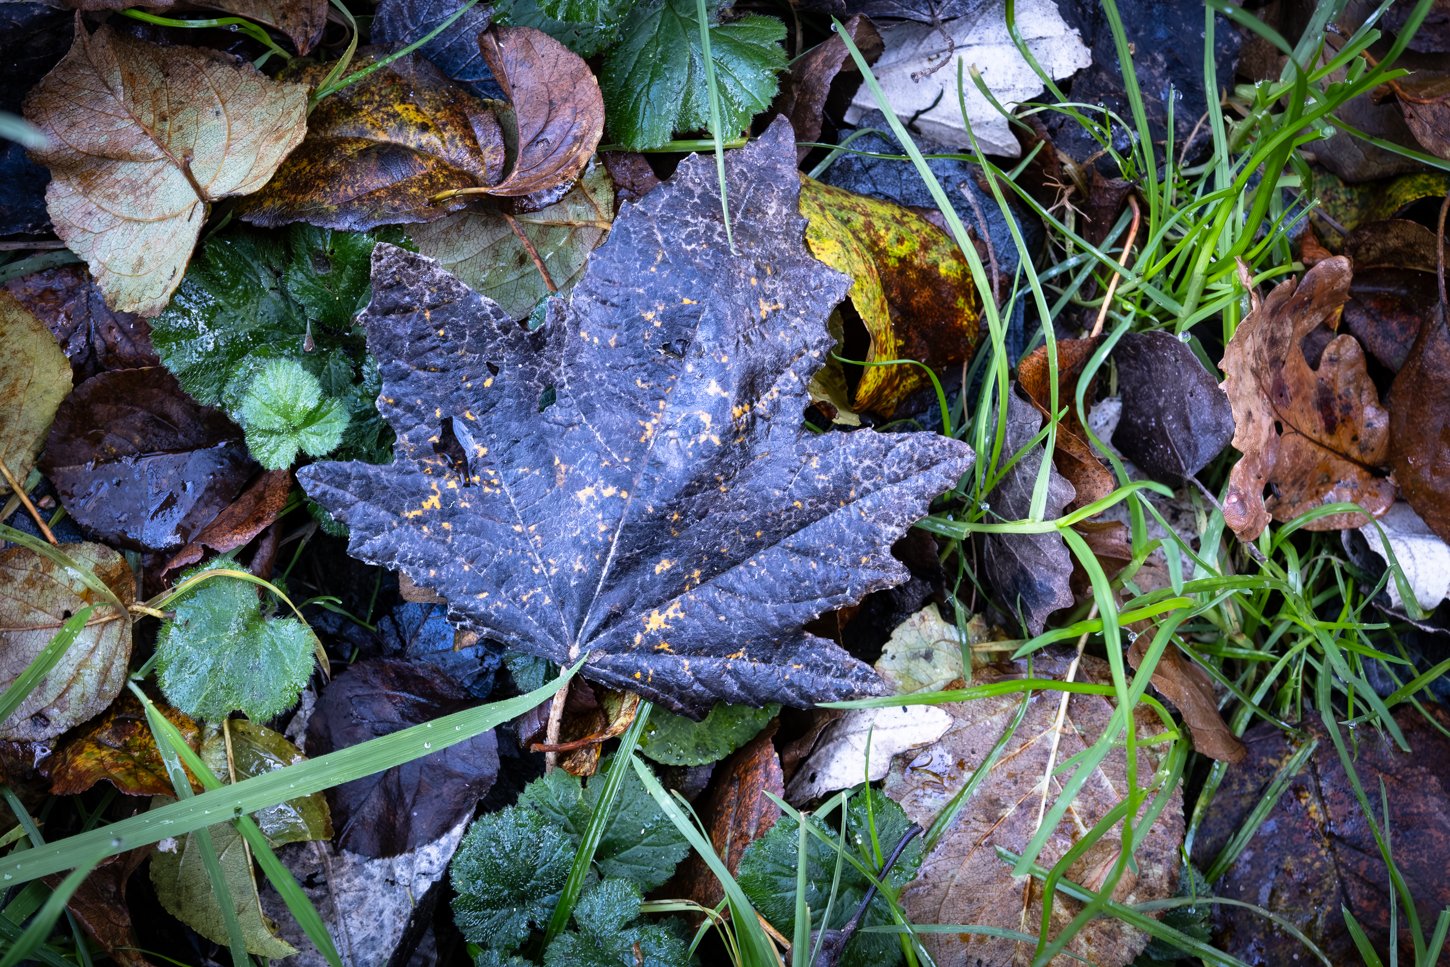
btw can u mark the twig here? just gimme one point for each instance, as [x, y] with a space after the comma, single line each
[833, 942]
[528, 245]
[25, 499]
[556, 722]
[1118, 273]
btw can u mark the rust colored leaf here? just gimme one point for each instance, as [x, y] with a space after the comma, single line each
[243, 519]
[1190, 690]
[138, 463]
[1314, 434]
[558, 112]
[1393, 293]
[93, 337]
[142, 138]
[909, 284]
[380, 151]
[1073, 455]
[1420, 426]
[119, 748]
[99, 904]
[1425, 101]
[813, 76]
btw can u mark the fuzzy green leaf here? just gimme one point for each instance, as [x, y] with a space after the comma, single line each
[508, 874]
[606, 935]
[283, 411]
[654, 81]
[675, 740]
[768, 874]
[220, 654]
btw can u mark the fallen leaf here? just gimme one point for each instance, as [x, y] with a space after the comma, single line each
[120, 748]
[251, 513]
[99, 904]
[918, 71]
[558, 112]
[93, 337]
[910, 285]
[1190, 690]
[1314, 854]
[1424, 98]
[1393, 294]
[963, 880]
[632, 480]
[242, 749]
[1072, 454]
[137, 463]
[39, 596]
[481, 248]
[301, 20]
[455, 52]
[675, 740]
[1419, 425]
[1175, 417]
[184, 888]
[1423, 557]
[813, 76]
[142, 139]
[923, 654]
[1315, 434]
[402, 808]
[860, 745]
[379, 151]
[1030, 573]
[34, 381]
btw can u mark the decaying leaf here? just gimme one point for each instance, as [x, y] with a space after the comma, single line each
[38, 597]
[1423, 557]
[558, 112]
[379, 151]
[1175, 418]
[99, 904]
[1072, 454]
[398, 810]
[301, 20]
[963, 880]
[455, 51]
[910, 285]
[813, 76]
[923, 654]
[33, 382]
[1424, 97]
[138, 463]
[119, 747]
[1419, 424]
[1029, 572]
[482, 248]
[859, 746]
[242, 749]
[1190, 690]
[632, 481]
[253, 512]
[93, 337]
[1393, 294]
[1315, 434]
[142, 138]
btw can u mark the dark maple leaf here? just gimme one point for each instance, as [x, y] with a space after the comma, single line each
[633, 480]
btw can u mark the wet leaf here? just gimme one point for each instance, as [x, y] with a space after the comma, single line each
[1314, 434]
[910, 285]
[250, 514]
[923, 654]
[378, 152]
[1190, 690]
[184, 889]
[301, 20]
[859, 746]
[392, 812]
[963, 880]
[38, 597]
[219, 653]
[1419, 425]
[138, 463]
[1393, 294]
[1175, 417]
[93, 337]
[99, 904]
[1424, 97]
[1072, 454]
[558, 112]
[481, 248]
[654, 80]
[585, 37]
[143, 138]
[507, 876]
[632, 480]
[1314, 853]
[825, 68]
[675, 740]
[284, 413]
[1029, 572]
[243, 749]
[455, 51]
[34, 381]
[120, 748]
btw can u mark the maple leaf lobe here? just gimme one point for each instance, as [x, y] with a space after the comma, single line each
[665, 512]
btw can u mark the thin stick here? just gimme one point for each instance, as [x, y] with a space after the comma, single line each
[1122, 264]
[528, 245]
[25, 499]
[556, 722]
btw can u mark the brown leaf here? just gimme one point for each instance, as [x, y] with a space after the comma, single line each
[142, 138]
[1190, 690]
[379, 151]
[99, 904]
[119, 747]
[93, 337]
[558, 111]
[243, 519]
[812, 77]
[1315, 434]
[301, 20]
[1073, 455]
[1393, 293]
[1425, 100]
[963, 880]
[1420, 426]
[1175, 417]
[138, 463]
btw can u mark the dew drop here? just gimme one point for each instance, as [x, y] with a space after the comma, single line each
[427, 745]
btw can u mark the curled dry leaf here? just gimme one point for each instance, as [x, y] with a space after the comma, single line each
[859, 746]
[1314, 434]
[142, 138]
[558, 112]
[379, 151]
[1420, 425]
[37, 596]
[33, 382]
[1072, 455]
